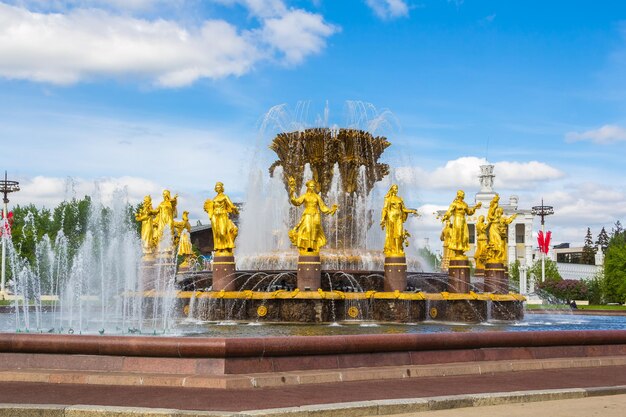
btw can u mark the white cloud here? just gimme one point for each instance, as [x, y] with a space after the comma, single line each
[81, 44]
[120, 5]
[48, 192]
[389, 9]
[463, 173]
[606, 134]
[297, 34]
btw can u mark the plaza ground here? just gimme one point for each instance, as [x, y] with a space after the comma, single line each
[371, 391]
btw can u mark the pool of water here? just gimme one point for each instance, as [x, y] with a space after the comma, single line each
[194, 328]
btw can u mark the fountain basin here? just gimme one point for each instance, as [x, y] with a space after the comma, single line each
[218, 362]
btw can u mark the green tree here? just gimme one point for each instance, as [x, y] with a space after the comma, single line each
[603, 240]
[552, 272]
[589, 251]
[514, 273]
[615, 269]
[595, 287]
[430, 258]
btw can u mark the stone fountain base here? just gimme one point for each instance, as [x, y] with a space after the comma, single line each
[327, 307]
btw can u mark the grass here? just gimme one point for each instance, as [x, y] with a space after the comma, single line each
[601, 307]
[567, 307]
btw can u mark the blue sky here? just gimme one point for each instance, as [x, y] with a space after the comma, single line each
[153, 93]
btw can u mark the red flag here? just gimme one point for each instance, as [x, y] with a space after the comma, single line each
[6, 226]
[540, 240]
[547, 242]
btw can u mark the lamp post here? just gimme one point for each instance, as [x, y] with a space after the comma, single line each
[6, 187]
[542, 211]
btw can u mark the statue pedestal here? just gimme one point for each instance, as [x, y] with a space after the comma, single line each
[147, 273]
[395, 273]
[495, 279]
[459, 276]
[224, 273]
[309, 272]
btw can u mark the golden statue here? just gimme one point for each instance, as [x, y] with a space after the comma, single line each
[224, 230]
[459, 239]
[481, 254]
[164, 220]
[446, 234]
[308, 235]
[392, 219]
[145, 215]
[498, 236]
[493, 206]
[183, 231]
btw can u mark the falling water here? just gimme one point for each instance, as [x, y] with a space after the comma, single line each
[98, 288]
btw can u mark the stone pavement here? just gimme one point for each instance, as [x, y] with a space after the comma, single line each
[605, 406]
[324, 399]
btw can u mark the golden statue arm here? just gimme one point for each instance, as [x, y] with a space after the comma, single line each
[384, 214]
[208, 207]
[324, 209]
[472, 210]
[230, 206]
[511, 218]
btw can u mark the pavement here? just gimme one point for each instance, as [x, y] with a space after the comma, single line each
[358, 398]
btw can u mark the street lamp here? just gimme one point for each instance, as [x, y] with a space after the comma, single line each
[6, 187]
[542, 211]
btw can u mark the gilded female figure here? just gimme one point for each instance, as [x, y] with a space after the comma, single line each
[392, 221]
[224, 230]
[183, 231]
[446, 234]
[480, 256]
[308, 235]
[459, 238]
[145, 215]
[498, 236]
[164, 220]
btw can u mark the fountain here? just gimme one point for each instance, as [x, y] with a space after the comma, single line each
[334, 276]
[362, 277]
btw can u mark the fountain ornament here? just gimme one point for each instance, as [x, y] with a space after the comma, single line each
[320, 282]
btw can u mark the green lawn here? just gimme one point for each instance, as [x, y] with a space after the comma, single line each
[566, 307]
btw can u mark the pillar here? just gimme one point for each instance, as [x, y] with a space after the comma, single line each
[395, 273]
[309, 272]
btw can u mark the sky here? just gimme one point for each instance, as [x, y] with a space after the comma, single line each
[154, 94]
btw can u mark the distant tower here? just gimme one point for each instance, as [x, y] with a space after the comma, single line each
[486, 177]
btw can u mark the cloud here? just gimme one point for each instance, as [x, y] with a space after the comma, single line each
[389, 9]
[297, 34]
[184, 158]
[604, 135]
[50, 191]
[118, 5]
[463, 173]
[83, 44]
[43, 191]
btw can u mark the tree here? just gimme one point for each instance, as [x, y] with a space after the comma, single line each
[430, 258]
[589, 251]
[615, 269]
[595, 288]
[603, 240]
[617, 229]
[514, 273]
[552, 272]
